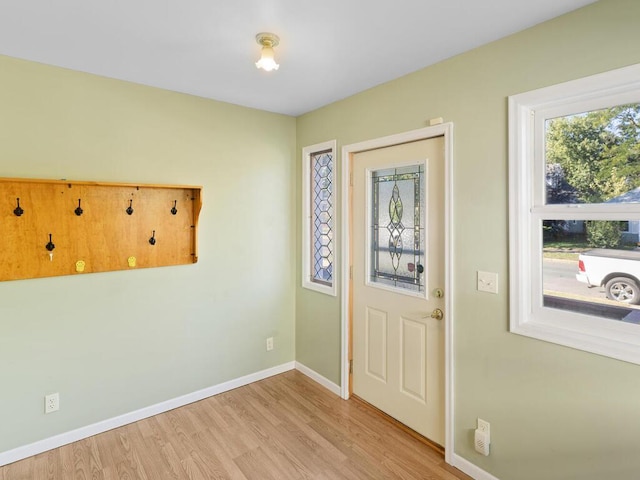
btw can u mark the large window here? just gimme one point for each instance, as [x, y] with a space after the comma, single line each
[318, 235]
[575, 213]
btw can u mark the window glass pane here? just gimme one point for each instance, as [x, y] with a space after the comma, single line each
[594, 157]
[592, 267]
[562, 158]
[322, 217]
[397, 227]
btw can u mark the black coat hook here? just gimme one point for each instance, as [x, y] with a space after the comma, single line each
[78, 211]
[18, 211]
[130, 209]
[50, 246]
[174, 210]
[152, 240]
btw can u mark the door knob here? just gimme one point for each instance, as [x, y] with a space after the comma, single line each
[437, 314]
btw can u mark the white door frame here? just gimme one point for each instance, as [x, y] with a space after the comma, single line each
[445, 129]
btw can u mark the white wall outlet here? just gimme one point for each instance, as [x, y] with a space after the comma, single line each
[488, 282]
[269, 344]
[484, 427]
[51, 403]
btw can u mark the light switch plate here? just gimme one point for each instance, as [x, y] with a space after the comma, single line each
[487, 282]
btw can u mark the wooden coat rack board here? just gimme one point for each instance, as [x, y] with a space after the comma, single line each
[59, 227]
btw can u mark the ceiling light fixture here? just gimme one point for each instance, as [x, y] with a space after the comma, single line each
[268, 41]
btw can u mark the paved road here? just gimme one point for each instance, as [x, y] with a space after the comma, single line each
[560, 276]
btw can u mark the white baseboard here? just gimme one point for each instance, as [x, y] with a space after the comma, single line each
[470, 469]
[313, 375]
[56, 441]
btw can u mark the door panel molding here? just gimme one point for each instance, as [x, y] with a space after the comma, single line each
[413, 342]
[347, 154]
[376, 344]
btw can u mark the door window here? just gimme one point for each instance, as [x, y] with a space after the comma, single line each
[397, 228]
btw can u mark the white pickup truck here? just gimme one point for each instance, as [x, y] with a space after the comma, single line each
[617, 270]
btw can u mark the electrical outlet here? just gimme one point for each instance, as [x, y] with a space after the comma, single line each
[269, 344]
[484, 427]
[482, 437]
[52, 403]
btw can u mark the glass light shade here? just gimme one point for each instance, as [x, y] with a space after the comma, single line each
[267, 62]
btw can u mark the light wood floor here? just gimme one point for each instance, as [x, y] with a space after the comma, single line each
[285, 427]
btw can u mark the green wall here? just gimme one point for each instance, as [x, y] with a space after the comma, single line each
[555, 413]
[111, 343]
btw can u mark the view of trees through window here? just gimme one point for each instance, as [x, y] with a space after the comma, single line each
[593, 158]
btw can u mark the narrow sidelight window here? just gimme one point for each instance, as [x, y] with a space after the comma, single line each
[318, 236]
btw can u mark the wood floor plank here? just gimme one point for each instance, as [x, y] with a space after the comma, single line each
[212, 448]
[47, 465]
[261, 406]
[173, 465]
[286, 427]
[256, 464]
[166, 463]
[23, 470]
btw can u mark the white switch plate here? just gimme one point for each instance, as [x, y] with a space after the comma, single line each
[487, 282]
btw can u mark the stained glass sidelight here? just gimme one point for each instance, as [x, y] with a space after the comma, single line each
[322, 217]
[398, 228]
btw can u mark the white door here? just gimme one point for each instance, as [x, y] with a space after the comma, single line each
[398, 280]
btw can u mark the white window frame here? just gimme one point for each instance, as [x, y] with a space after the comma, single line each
[307, 237]
[527, 114]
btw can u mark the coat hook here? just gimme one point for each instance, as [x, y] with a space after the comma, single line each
[152, 240]
[78, 211]
[130, 209]
[50, 246]
[174, 210]
[18, 211]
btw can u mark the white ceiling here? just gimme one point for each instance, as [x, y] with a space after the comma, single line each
[329, 49]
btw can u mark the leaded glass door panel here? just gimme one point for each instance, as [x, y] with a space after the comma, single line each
[398, 266]
[396, 232]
